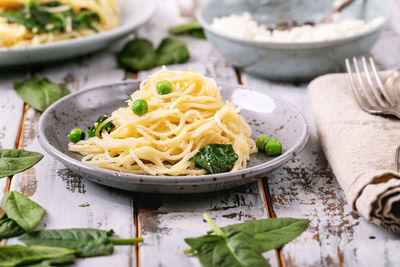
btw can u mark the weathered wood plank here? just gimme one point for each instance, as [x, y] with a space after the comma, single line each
[11, 107]
[306, 188]
[165, 220]
[61, 192]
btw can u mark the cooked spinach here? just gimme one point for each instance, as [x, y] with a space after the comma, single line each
[215, 158]
[23, 211]
[13, 161]
[17, 255]
[106, 127]
[37, 17]
[40, 94]
[139, 54]
[192, 28]
[9, 228]
[243, 244]
[88, 242]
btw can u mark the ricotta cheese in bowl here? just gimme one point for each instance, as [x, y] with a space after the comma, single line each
[244, 26]
[244, 32]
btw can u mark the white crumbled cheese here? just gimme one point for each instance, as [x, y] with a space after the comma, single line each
[243, 26]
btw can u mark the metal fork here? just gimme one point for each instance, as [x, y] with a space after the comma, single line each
[379, 102]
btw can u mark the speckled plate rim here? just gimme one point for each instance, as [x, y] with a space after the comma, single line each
[287, 45]
[171, 180]
[121, 30]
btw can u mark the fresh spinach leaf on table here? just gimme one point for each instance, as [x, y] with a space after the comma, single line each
[48, 247]
[25, 212]
[236, 249]
[17, 255]
[63, 260]
[243, 244]
[172, 51]
[40, 94]
[215, 158]
[13, 161]
[192, 28]
[88, 242]
[9, 228]
[139, 54]
[271, 233]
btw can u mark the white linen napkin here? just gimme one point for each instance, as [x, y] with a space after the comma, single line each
[360, 149]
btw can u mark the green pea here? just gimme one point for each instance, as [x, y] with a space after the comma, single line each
[164, 87]
[262, 141]
[76, 135]
[139, 107]
[273, 148]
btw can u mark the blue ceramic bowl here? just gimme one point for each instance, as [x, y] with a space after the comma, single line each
[289, 61]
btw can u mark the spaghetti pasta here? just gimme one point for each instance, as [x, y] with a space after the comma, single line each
[14, 34]
[176, 126]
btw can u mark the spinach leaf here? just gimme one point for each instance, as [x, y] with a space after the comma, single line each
[85, 19]
[38, 19]
[63, 260]
[192, 28]
[271, 233]
[25, 212]
[88, 242]
[234, 250]
[40, 94]
[172, 51]
[9, 228]
[13, 161]
[215, 158]
[139, 54]
[243, 244]
[20, 255]
[106, 127]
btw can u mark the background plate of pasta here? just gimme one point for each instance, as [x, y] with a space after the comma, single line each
[174, 132]
[37, 31]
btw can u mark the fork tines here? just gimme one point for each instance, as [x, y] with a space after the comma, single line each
[367, 86]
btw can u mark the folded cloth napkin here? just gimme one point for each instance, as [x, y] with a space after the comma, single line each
[360, 149]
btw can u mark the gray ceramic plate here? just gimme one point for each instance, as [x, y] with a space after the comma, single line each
[134, 13]
[266, 114]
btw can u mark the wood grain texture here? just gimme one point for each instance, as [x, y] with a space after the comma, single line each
[306, 188]
[59, 190]
[303, 188]
[11, 107]
[165, 220]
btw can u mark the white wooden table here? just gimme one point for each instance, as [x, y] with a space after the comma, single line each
[302, 188]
